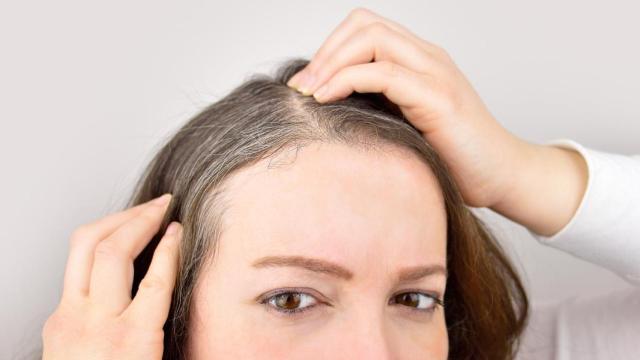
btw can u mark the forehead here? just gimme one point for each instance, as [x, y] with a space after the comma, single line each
[337, 202]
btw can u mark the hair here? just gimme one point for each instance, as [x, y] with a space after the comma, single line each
[486, 306]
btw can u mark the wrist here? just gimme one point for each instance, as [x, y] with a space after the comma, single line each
[515, 170]
[546, 188]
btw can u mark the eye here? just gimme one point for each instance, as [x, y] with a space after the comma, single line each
[290, 301]
[418, 300]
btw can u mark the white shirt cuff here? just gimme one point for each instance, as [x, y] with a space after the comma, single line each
[605, 228]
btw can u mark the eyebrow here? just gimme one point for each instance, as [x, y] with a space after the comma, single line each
[408, 274]
[311, 264]
[415, 273]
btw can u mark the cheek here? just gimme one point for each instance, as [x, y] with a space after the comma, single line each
[222, 326]
[219, 326]
[234, 333]
[430, 344]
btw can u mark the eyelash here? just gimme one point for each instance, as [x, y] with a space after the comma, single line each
[267, 299]
[437, 301]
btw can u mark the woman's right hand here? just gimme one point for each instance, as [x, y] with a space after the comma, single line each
[96, 317]
[537, 186]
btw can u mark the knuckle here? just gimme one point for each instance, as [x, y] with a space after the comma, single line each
[452, 101]
[377, 29]
[391, 68]
[360, 14]
[79, 234]
[153, 283]
[108, 249]
[57, 325]
[164, 253]
[51, 326]
[441, 51]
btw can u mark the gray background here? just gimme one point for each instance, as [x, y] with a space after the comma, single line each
[89, 89]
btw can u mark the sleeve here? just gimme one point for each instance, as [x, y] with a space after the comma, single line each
[605, 229]
[602, 327]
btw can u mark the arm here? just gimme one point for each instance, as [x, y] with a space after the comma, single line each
[605, 230]
[581, 201]
[537, 186]
[547, 185]
[544, 188]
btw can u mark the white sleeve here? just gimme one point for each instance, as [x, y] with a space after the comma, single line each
[602, 327]
[605, 230]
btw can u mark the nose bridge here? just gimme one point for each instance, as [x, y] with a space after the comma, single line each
[367, 336]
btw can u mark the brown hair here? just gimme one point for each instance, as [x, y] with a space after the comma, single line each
[486, 305]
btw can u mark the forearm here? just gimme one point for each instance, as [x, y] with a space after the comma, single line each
[547, 186]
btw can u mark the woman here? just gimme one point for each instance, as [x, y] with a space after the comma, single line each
[332, 226]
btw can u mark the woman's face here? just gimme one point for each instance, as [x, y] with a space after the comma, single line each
[335, 255]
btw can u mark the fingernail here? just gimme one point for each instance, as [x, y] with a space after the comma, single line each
[321, 93]
[306, 83]
[294, 81]
[162, 200]
[172, 229]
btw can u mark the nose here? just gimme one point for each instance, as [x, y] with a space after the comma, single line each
[366, 338]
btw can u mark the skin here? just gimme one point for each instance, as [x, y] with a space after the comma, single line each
[373, 214]
[96, 318]
[539, 187]
[493, 168]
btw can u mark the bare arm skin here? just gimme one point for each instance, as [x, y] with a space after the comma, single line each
[547, 188]
[537, 186]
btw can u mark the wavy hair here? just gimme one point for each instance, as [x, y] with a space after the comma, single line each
[486, 306]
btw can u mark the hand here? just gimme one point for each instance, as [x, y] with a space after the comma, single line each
[492, 168]
[422, 79]
[96, 317]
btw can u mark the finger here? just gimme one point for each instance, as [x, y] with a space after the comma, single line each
[357, 19]
[112, 273]
[83, 242]
[150, 306]
[375, 42]
[403, 87]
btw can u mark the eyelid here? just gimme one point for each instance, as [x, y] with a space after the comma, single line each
[292, 313]
[302, 290]
[437, 298]
[264, 298]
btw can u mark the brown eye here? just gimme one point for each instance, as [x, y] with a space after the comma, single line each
[415, 300]
[288, 300]
[291, 301]
[408, 299]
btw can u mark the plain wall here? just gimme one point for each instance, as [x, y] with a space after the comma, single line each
[88, 90]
